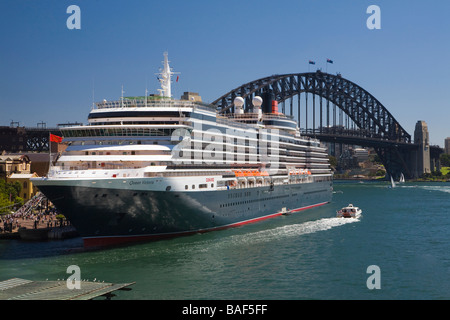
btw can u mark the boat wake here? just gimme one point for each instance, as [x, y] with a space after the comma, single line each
[445, 189]
[288, 231]
[227, 242]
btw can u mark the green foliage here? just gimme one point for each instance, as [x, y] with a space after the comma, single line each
[445, 160]
[60, 217]
[9, 190]
[333, 161]
[445, 171]
[436, 176]
[376, 159]
[4, 203]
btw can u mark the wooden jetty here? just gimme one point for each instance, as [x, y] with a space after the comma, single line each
[21, 289]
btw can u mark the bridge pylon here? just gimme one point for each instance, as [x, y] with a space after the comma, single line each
[422, 139]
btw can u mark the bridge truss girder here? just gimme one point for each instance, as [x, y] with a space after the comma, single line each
[369, 115]
[376, 127]
[37, 140]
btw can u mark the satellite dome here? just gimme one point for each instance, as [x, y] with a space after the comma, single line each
[238, 102]
[257, 101]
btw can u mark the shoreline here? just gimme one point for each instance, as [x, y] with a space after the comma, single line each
[41, 234]
[384, 180]
[366, 178]
[41, 230]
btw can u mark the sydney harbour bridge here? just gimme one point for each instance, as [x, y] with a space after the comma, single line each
[327, 107]
[333, 109]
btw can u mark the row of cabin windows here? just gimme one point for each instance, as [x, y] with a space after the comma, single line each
[116, 132]
[252, 201]
[200, 186]
[109, 153]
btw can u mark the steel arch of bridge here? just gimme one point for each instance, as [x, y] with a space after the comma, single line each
[369, 115]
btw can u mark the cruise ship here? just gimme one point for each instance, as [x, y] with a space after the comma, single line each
[154, 167]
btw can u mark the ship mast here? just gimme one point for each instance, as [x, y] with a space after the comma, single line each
[165, 78]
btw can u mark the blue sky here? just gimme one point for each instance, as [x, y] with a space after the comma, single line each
[50, 73]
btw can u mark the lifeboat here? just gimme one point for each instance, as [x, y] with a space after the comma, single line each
[238, 173]
[248, 173]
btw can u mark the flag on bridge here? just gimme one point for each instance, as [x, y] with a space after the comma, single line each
[312, 62]
[55, 138]
[329, 61]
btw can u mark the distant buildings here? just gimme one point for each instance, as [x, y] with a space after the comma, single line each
[13, 139]
[10, 164]
[447, 145]
[28, 189]
[361, 154]
[23, 154]
[17, 168]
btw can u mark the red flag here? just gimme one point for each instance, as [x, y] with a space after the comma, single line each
[178, 78]
[55, 138]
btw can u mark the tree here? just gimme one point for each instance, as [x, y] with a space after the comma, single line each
[445, 160]
[333, 161]
[377, 159]
[4, 203]
[9, 193]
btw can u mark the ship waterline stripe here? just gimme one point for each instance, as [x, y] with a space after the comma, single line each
[116, 240]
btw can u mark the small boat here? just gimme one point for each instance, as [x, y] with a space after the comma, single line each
[285, 212]
[402, 178]
[392, 183]
[349, 212]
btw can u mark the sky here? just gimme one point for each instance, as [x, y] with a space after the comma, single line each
[50, 73]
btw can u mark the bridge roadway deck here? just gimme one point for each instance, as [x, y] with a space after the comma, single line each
[360, 141]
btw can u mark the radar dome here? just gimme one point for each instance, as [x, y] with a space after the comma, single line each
[257, 101]
[238, 102]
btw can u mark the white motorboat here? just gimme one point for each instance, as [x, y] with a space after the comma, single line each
[349, 212]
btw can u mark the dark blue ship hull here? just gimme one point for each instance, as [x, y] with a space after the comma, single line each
[104, 216]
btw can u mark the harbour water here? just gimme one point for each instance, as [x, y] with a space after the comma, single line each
[405, 231]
